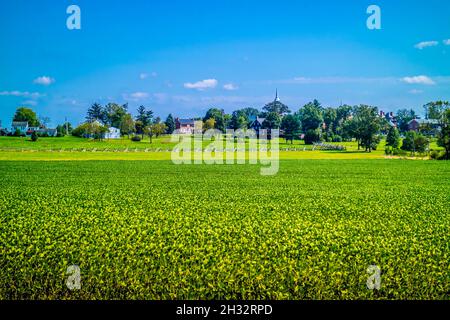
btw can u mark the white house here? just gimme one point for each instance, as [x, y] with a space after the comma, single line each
[113, 133]
[185, 126]
[19, 125]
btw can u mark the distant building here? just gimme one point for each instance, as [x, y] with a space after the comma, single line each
[185, 126]
[49, 132]
[42, 131]
[417, 124]
[22, 126]
[256, 123]
[390, 118]
[113, 133]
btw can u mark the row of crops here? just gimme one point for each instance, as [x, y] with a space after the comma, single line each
[155, 230]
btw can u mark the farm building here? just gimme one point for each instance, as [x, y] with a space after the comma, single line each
[42, 131]
[113, 133]
[416, 124]
[22, 126]
[185, 126]
[256, 123]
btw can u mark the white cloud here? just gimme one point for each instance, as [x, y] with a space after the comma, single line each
[419, 80]
[144, 75]
[230, 87]
[415, 91]
[335, 80]
[447, 42]
[33, 95]
[139, 95]
[425, 44]
[202, 85]
[136, 96]
[29, 103]
[44, 80]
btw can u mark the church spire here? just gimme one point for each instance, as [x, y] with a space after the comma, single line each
[276, 95]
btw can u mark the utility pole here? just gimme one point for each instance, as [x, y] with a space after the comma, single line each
[67, 127]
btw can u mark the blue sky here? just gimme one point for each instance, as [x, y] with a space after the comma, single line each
[183, 57]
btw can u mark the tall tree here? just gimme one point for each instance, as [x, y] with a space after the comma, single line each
[291, 127]
[393, 138]
[415, 142]
[250, 112]
[28, 115]
[404, 116]
[209, 124]
[435, 110]
[159, 128]
[444, 134]
[114, 114]
[239, 120]
[144, 116]
[64, 129]
[155, 129]
[343, 113]
[329, 118]
[272, 121]
[127, 125]
[277, 106]
[218, 116]
[311, 116]
[170, 124]
[365, 126]
[96, 113]
[139, 128]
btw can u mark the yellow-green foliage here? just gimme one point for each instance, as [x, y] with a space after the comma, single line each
[154, 230]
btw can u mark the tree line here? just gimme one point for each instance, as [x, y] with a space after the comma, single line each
[312, 123]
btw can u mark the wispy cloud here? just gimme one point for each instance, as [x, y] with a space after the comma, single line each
[426, 44]
[15, 93]
[419, 80]
[202, 85]
[144, 75]
[29, 103]
[446, 42]
[230, 87]
[44, 80]
[136, 96]
[336, 80]
[415, 91]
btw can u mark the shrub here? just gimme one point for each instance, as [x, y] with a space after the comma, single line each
[337, 138]
[136, 138]
[312, 136]
[415, 142]
[34, 136]
[399, 152]
[18, 133]
[437, 155]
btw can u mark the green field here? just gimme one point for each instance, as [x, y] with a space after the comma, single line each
[72, 148]
[155, 230]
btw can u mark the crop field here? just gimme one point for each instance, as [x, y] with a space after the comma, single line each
[155, 230]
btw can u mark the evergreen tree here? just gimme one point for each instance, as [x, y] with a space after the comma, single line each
[96, 113]
[170, 124]
[393, 138]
